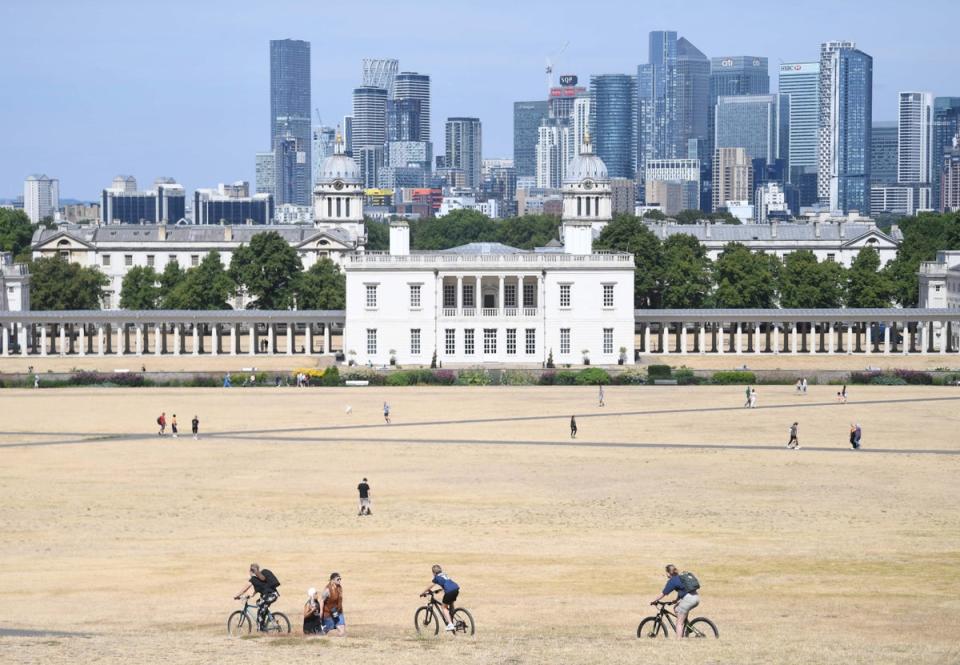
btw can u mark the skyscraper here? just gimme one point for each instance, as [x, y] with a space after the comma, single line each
[759, 125]
[380, 73]
[613, 106]
[883, 153]
[732, 177]
[915, 138]
[290, 116]
[526, 121]
[946, 125]
[464, 148]
[323, 137]
[41, 197]
[845, 123]
[369, 129]
[950, 178]
[266, 180]
[801, 82]
[414, 86]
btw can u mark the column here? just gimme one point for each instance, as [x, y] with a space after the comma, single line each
[99, 339]
[520, 302]
[756, 338]
[886, 338]
[215, 339]
[43, 339]
[458, 303]
[233, 339]
[924, 342]
[720, 344]
[290, 338]
[793, 338]
[500, 304]
[908, 339]
[158, 338]
[683, 338]
[326, 340]
[5, 341]
[63, 340]
[776, 338]
[665, 336]
[646, 338]
[308, 341]
[196, 340]
[849, 338]
[253, 339]
[943, 337]
[739, 342]
[139, 340]
[176, 339]
[830, 340]
[703, 338]
[22, 338]
[477, 296]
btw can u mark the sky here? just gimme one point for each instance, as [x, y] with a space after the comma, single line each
[91, 89]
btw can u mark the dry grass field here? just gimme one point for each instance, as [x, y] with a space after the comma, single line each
[121, 547]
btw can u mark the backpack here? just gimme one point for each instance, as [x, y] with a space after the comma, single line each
[690, 582]
[159, 421]
[271, 579]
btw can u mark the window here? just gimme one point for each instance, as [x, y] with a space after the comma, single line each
[194, 259]
[172, 258]
[510, 296]
[106, 260]
[450, 341]
[511, 341]
[608, 340]
[528, 293]
[608, 295]
[937, 288]
[414, 341]
[468, 341]
[449, 295]
[531, 341]
[128, 259]
[371, 296]
[468, 300]
[564, 340]
[564, 295]
[150, 260]
[489, 340]
[831, 257]
[371, 341]
[414, 296]
[64, 254]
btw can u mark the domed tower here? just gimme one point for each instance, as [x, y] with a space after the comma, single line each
[587, 200]
[338, 196]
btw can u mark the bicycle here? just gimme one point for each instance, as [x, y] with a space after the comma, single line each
[242, 621]
[429, 617]
[661, 624]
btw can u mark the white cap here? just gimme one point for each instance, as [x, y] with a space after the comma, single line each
[311, 592]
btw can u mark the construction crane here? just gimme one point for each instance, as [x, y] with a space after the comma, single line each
[550, 59]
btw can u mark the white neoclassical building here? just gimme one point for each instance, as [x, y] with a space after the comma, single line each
[485, 303]
[337, 229]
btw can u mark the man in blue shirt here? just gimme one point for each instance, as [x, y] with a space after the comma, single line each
[685, 601]
[450, 592]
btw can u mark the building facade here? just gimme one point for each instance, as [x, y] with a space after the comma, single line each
[613, 105]
[949, 178]
[41, 197]
[732, 177]
[883, 153]
[14, 285]
[760, 125]
[674, 184]
[946, 125]
[527, 117]
[290, 115]
[915, 139]
[464, 148]
[232, 204]
[165, 203]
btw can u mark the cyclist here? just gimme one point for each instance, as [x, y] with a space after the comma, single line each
[450, 592]
[265, 583]
[685, 601]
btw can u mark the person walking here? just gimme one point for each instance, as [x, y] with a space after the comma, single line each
[173, 427]
[195, 427]
[573, 427]
[857, 433]
[843, 394]
[364, 490]
[162, 422]
[386, 412]
[804, 385]
[793, 443]
[753, 398]
[602, 400]
[746, 403]
[799, 385]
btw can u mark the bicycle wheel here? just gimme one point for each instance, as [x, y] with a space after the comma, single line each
[701, 627]
[426, 622]
[277, 622]
[651, 627]
[238, 624]
[463, 621]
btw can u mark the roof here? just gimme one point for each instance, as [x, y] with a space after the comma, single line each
[186, 233]
[773, 315]
[481, 248]
[786, 232]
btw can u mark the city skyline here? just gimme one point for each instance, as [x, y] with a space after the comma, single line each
[79, 115]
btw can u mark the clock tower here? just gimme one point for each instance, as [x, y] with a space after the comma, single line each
[586, 189]
[338, 195]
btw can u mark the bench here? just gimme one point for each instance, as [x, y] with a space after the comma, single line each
[664, 382]
[357, 383]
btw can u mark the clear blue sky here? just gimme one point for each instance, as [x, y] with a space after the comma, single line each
[91, 89]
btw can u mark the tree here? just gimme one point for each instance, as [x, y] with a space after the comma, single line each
[745, 279]
[867, 285]
[528, 231]
[207, 286]
[378, 235]
[923, 236]
[267, 269]
[16, 232]
[323, 286]
[687, 278]
[170, 278]
[627, 233]
[56, 284]
[140, 289]
[457, 228]
[804, 282]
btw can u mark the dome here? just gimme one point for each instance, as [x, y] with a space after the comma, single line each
[585, 166]
[339, 167]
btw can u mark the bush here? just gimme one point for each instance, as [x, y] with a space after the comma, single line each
[203, 382]
[863, 378]
[550, 364]
[658, 372]
[364, 374]
[411, 377]
[548, 379]
[593, 376]
[566, 378]
[914, 378]
[331, 376]
[686, 377]
[124, 379]
[473, 377]
[631, 377]
[512, 377]
[733, 377]
[888, 380]
[444, 377]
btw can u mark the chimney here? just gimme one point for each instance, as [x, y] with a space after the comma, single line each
[399, 238]
[228, 232]
[162, 232]
[842, 229]
[577, 237]
[816, 229]
[774, 227]
[709, 231]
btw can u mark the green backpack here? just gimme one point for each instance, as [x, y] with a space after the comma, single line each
[690, 582]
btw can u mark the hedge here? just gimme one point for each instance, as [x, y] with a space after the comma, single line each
[658, 372]
[593, 376]
[733, 377]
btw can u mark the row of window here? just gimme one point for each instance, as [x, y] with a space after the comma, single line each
[469, 295]
[105, 259]
[489, 341]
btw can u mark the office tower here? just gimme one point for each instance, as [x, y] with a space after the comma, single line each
[463, 148]
[380, 73]
[759, 125]
[290, 115]
[370, 159]
[369, 131]
[41, 197]
[409, 153]
[414, 86]
[403, 120]
[946, 125]
[266, 181]
[348, 135]
[232, 204]
[915, 138]
[561, 98]
[527, 117]
[613, 112]
[826, 123]
[673, 184]
[323, 138]
[950, 178]
[165, 203]
[883, 153]
[287, 156]
[732, 177]
[551, 142]
[125, 183]
[801, 82]
[693, 100]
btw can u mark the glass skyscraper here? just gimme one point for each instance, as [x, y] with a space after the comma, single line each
[290, 117]
[527, 117]
[946, 125]
[883, 153]
[613, 104]
[760, 125]
[414, 86]
[850, 124]
[801, 81]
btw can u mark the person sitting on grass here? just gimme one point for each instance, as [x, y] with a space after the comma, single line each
[312, 614]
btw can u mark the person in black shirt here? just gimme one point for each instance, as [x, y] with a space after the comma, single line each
[265, 583]
[312, 614]
[195, 426]
[573, 427]
[364, 489]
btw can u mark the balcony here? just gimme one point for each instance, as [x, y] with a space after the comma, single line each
[488, 312]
